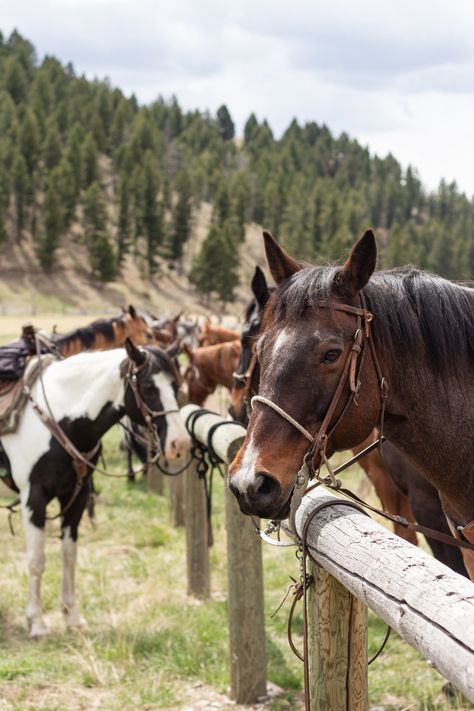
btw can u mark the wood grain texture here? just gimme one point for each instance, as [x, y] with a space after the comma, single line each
[337, 634]
[248, 663]
[429, 605]
[197, 549]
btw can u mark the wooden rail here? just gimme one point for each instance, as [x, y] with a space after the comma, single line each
[428, 604]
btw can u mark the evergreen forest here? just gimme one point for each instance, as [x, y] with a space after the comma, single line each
[129, 177]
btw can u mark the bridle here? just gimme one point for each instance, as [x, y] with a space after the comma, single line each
[350, 374]
[148, 414]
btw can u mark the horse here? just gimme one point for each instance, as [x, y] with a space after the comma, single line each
[398, 485]
[346, 349]
[212, 335]
[209, 367]
[53, 452]
[106, 334]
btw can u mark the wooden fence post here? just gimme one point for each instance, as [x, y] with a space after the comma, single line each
[177, 500]
[197, 548]
[155, 480]
[245, 571]
[337, 640]
[248, 659]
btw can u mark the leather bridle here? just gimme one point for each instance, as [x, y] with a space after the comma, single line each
[350, 374]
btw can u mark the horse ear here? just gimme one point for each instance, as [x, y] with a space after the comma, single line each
[282, 266]
[259, 287]
[138, 356]
[132, 311]
[360, 264]
[175, 348]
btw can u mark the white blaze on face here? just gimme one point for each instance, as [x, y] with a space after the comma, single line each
[178, 441]
[245, 474]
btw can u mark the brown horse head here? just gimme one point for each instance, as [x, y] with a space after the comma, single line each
[209, 367]
[302, 351]
[135, 325]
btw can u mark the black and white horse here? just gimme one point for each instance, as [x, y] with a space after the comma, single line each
[87, 394]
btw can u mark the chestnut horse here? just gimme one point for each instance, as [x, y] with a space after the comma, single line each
[398, 485]
[212, 335]
[209, 367]
[106, 334]
[343, 350]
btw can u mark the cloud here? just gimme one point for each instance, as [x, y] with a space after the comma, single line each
[397, 75]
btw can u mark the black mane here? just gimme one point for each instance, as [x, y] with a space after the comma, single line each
[87, 334]
[415, 312]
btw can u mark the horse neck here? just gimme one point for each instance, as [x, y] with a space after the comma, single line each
[88, 385]
[216, 365]
[430, 418]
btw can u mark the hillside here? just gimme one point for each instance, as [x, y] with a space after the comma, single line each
[103, 200]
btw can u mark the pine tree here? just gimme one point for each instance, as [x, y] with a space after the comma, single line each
[181, 218]
[89, 161]
[123, 225]
[52, 219]
[52, 145]
[215, 268]
[152, 212]
[29, 141]
[21, 188]
[225, 123]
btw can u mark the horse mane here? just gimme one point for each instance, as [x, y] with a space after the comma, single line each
[415, 312]
[87, 334]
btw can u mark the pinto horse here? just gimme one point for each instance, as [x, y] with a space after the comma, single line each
[105, 334]
[209, 367]
[398, 485]
[85, 395]
[343, 350]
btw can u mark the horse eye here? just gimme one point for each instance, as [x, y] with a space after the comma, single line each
[331, 356]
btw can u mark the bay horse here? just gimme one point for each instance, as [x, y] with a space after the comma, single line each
[401, 490]
[85, 395]
[212, 335]
[346, 349]
[105, 334]
[209, 367]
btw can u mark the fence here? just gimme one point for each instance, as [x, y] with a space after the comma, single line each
[357, 564]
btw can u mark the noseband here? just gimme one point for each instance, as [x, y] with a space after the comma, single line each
[350, 374]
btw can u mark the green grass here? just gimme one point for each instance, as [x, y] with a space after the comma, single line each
[147, 643]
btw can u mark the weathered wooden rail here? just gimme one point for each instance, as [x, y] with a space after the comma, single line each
[428, 604]
[357, 564]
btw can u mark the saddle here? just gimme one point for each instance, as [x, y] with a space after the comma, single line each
[19, 367]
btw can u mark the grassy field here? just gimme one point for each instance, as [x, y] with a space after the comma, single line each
[148, 646]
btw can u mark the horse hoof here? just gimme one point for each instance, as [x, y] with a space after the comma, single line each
[76, 622]
[38, 629]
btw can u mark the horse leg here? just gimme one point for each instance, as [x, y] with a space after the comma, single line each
[33, 507]
[131, 473]
[69, 533]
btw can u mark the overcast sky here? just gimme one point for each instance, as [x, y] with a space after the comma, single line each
[397, 75]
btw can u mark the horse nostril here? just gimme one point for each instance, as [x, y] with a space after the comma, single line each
[264, 488]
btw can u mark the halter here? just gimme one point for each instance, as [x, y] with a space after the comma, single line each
[350, 373]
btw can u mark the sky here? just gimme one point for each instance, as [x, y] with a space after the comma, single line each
[397, 75]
